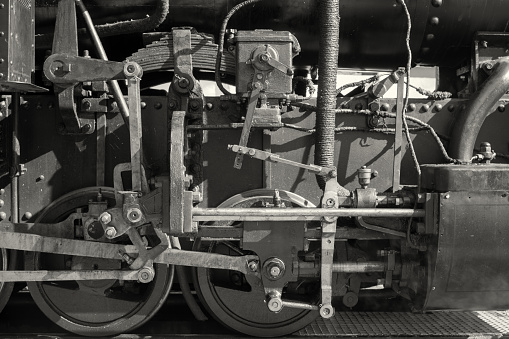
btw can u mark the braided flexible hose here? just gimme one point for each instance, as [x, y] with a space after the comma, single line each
[327, 70]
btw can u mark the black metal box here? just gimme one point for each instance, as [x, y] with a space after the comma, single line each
[252, 43]
[17, 42]
[475, 177]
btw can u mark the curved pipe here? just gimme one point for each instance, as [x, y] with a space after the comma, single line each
[480, 106]
[123, 27]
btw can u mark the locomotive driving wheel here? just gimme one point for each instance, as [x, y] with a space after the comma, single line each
[97, 307]
[241, 306]
[6, 261]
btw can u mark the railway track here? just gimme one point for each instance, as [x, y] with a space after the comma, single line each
[175, 320]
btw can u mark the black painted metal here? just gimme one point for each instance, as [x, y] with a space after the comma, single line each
[471, 269]
[372, 31]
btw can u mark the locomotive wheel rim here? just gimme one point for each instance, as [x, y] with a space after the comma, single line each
[5, 288]
[241, 310]
[84, 313]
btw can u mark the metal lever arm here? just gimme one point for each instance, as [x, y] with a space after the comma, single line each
[267, 156]
[68, 69]
[246, 129]
[268, 59]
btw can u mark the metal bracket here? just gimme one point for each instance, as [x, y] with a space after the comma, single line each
[133, 73]
[184, 89]
[329, 200]
[66, 41]
[181, 200]
[398, 135]
[246, 129]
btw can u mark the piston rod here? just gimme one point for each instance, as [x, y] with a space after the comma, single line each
[291, 214]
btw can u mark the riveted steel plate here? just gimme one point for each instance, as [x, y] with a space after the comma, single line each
[440, 324]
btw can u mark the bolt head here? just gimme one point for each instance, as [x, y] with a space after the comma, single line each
[264, 57]
[110, 232]
[253, 266]
[183, 82]
[106, 218]
[275, 271]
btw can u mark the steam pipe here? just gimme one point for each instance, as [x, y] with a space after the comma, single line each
[327, 71]
[123, 27]
[480, 106]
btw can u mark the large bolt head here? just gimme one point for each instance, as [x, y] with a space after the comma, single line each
[134, 215]
[146, 275]
[275, 304]
[105, 218]
[110, 232]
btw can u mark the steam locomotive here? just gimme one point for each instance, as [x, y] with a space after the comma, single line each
[121, 169]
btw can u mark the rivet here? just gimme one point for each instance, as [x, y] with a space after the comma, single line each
[358, 106]
[2, 203]
[1, 61]
[2, 191]
[484, 44]
[412, 107]
[158, 105]
[451, 108]
[425, 108]
[2, 6]
[436, 3]
[430, 37]
[27, 215]
[1, 75]
[3, 216]
[384, 107]
[438, 107]
[501, 108]
[434, 21]
[143, 104]
[209, 106]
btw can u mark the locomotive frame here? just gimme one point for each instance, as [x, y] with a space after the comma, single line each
[98, 191]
